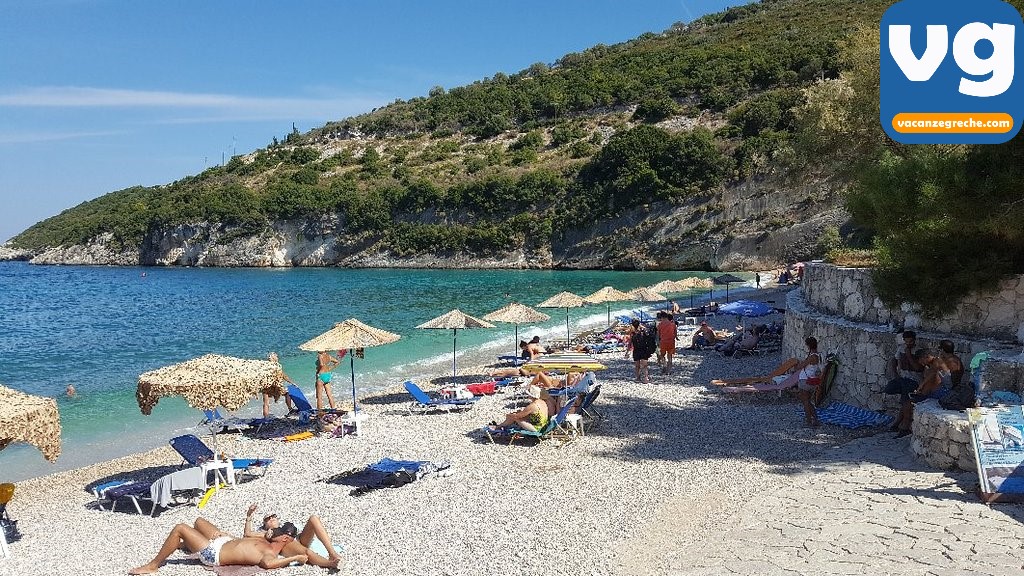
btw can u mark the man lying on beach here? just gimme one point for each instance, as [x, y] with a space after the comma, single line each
[300, 546]
[218, 548]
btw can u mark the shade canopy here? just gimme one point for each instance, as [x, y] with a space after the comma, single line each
[349, 334]
[565, 362]
[607, 294]
[748, 308]
[644, 294]
[31, 419]
[210, 381]
[455, 320]
[728, 279]
[516, 313]
[665, 286]
[694, 282]
[562, 300]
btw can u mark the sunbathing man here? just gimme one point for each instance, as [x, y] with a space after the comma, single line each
[704, 336]
[218, 548]
[313, 527]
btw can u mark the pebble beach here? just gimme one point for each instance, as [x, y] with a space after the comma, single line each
[670, 481]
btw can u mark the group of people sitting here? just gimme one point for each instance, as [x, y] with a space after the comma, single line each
[272, 545]
[915, 375]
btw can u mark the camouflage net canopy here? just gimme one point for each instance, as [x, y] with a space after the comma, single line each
[455, 320]
[643, 294]
[31, 419]
[210, 381]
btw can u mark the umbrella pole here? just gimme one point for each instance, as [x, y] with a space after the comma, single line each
[455, 338]
[515, 342]
[567, 328]
[727, 292]
[691, 298]
[352, 368]
[609, 313]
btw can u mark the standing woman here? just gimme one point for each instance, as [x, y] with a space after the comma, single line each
[325, 363]
[809, 378]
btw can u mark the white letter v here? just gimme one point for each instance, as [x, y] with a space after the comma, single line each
[918, 70]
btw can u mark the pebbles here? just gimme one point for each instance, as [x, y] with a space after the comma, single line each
[552, 508]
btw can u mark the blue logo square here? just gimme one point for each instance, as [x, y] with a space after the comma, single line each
[950, 72]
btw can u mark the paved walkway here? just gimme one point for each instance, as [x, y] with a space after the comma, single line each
[868, 507]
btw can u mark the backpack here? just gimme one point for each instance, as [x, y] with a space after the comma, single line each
[643, 342]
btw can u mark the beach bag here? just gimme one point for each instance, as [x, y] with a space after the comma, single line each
[814, 381]
[960, 397]
[481, 388]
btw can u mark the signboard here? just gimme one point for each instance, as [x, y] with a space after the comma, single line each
[998, 437]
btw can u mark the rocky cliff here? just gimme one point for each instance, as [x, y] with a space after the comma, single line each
[754, 226]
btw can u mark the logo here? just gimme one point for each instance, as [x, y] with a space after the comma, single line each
[950, 72]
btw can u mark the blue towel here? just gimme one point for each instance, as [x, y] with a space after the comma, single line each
[849, 416]
[388, 465]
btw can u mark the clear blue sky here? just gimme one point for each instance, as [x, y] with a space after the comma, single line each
[96, 95]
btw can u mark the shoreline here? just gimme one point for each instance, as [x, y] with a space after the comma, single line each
[660, 441]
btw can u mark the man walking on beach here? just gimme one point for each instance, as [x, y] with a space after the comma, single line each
[666, 342]
[218, 548]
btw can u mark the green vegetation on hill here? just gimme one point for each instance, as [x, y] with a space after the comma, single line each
[513, 159]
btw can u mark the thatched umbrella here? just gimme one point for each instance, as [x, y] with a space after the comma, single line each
[728, 279]
[644, 294]
[454, 321]
[563, 300]
[665, 286]
[516, 313]
[350, 335]
[210, 381]
[693, 283]
[607, 295]
[32, 419]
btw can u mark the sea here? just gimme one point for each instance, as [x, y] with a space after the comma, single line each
[98, 328]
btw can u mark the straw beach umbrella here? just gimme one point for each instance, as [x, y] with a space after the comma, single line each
[563, 300]
[350, 335]
[728, 279]
[31, 419]
[693, 283]
[664, 286]
[210, 381]
[607, 295]
[645, 295]
[516, 313]
[454, 321]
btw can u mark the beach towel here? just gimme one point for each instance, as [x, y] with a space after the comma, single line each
[848, 416]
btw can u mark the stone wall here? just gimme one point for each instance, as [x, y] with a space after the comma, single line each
[850, 293]
[865, 340]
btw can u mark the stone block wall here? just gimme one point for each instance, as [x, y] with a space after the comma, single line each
[850, 293]
[864, 341]
[942, 438]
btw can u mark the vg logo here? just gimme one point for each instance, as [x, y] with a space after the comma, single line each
[950, 72]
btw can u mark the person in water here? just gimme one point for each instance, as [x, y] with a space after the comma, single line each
[218, 548]
[325, 363]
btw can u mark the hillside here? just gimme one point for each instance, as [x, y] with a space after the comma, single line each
[674, 150]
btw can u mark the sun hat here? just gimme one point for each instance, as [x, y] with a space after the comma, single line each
[533, 391]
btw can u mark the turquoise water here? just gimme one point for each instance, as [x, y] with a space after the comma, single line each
[99, 328]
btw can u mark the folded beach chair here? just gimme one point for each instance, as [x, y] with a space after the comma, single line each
[587, 409]
[195, 453]
[137, 492]
[422, 402]
[555, 426]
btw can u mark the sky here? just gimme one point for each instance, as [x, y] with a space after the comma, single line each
[101, 95]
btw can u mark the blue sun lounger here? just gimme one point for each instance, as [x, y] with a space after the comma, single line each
[196, 452]
[422, 402]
